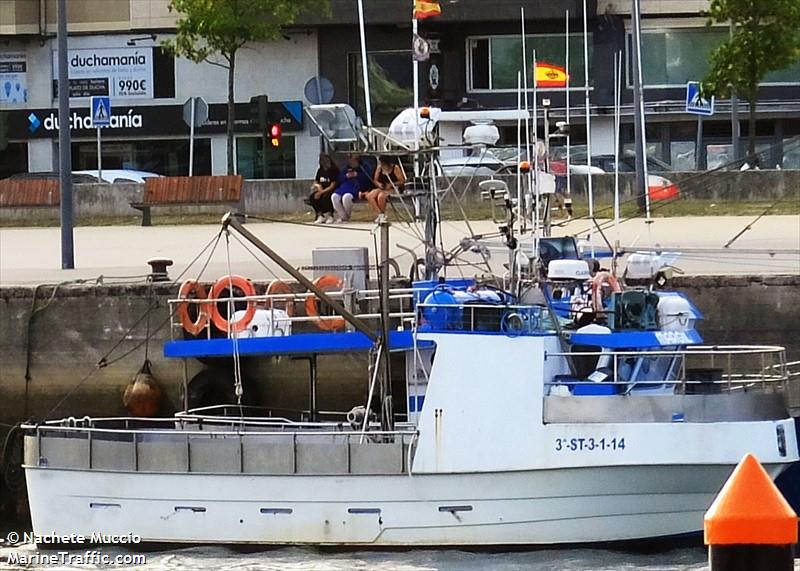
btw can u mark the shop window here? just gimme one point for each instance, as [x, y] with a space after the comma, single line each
[13, 158]
[391, 84]
[495, 61]
[250, 159]
[682, 155]
[166, 157]
[673, 57]
[791, 153]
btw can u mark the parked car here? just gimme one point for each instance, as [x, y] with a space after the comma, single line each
[112, 176]
[77, 178]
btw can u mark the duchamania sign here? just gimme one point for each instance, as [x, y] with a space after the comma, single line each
[143, 121]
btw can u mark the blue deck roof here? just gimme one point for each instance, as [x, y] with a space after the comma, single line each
[298, 344]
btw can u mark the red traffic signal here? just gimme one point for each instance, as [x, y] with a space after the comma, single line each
[275, 134]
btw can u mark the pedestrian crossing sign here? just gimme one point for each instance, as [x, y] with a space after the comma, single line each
[101, 111]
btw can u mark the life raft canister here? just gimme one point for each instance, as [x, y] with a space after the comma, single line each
[231, 284]
[598, 281]
[326, 283]
[280, 287]
[192, 289]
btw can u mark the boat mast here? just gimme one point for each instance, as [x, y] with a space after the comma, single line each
[387, 407]
[364, 70]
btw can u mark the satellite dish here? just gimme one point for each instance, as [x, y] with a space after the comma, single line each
[318, 91]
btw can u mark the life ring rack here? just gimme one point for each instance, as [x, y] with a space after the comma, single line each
[327, 282]
[188, 289]
[277, 287]
[230, 283]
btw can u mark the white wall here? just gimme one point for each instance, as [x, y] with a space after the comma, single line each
[280, 69]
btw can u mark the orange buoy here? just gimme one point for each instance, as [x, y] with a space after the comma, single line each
[599, 280]
[231, 284]
[750, 525]
[750, 510]
[192, 289]
[326, 283]
[281, 287]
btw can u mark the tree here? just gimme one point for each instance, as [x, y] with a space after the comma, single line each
[766, 38]
[213, 31]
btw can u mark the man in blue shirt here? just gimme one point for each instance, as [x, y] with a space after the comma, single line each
[354, 179]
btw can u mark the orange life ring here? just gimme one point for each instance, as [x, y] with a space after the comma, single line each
[326, 283]
[280, 287]
[598, 281]
[187, 289]
[226, 283]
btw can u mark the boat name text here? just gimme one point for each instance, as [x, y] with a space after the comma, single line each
[589, 444]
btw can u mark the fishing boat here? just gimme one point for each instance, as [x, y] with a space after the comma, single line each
[521, 423]
[553, 403]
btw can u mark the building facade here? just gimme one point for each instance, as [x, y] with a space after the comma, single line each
[476, 55]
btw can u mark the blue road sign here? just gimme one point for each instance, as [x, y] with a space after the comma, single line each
[101, 111]
[695, 103]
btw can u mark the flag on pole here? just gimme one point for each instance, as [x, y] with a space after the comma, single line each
[549, 75]
[426, 9]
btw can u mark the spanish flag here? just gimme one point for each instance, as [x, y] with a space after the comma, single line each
[549, 75]
[426, 9]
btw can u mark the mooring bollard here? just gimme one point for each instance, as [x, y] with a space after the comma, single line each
[750, 526]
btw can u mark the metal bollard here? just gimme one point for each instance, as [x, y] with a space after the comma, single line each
[750, 526]
[159, 269]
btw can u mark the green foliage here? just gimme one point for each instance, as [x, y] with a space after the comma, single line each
[210, 27]
[766, 38]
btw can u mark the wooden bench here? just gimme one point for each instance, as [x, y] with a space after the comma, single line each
[188, 191]
[27, 193]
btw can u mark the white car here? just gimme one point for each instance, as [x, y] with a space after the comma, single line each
[112, 176]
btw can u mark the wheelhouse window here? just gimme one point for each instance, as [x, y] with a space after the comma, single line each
[494, 61]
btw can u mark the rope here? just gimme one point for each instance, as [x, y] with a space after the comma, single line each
[237, 367]
[308, 224]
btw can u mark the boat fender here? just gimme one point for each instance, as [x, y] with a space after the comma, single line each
[226, 283]
[600, 280]
[143, 396]
[326, 283]
[276, 287]
[192, 289]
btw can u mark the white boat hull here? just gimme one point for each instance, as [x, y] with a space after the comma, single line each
[572, 505]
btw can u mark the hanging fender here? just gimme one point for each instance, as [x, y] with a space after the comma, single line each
[231, 283]
[326, 283]
[192, 289]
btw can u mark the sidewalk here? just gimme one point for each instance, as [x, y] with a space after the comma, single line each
[32, 255]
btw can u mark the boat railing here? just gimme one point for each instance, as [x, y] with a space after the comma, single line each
[260, 449]
[509, 320]
[690, 370]
[401, 298]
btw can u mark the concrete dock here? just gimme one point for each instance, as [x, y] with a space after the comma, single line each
[32, 255]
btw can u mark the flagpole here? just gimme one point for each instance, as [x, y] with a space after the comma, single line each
[415, 67]
[528, 175]
[535, 161]
[566, 99]
[364, 71]
[588, 123]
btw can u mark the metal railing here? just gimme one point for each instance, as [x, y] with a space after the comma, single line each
[350, 298]
[341, 445]
[762, 366]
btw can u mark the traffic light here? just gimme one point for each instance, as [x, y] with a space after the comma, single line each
[259, 112]
[275, 134]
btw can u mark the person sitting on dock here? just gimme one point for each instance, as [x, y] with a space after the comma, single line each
[389, 177]
[325, 182]
[353, 180]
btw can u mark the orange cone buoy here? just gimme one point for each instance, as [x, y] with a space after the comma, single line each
[750, 526]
